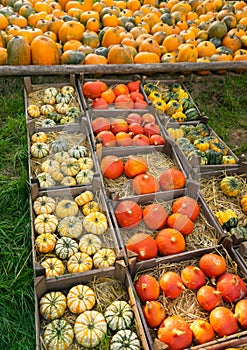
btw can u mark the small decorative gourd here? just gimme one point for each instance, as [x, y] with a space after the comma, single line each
[229, 160]
[85, 177]
[80, 298]
[49, 166]
[39, 137]
[33, 111]
[53, 267]
[63, 98]
[95, 223]
[61, 156]
[52, 305]
[44, 205]
[58, 335]
[45, 180]
[57, 175]
[79, 262]
[73, 112]
[67, 119]
[84, 198]
[90, 207]
[230, 186]
[227, 219]
[59, 145]
[119, 315]
[70, 226]
[47, 123]
[68, 181]
[90, 244]
[67, 89]
[62, 108]
[45, 223]
[243, 203]
[86, 163]
[70, 167]
[39, 150]
[45, 243]
[90, 328]
[66, 207]
[66, 247]
[52, 91]
[46, 109]
[201, 144]
[104, 258]
[78, 152]
[49, 100]
[56, 117]
[125, 339]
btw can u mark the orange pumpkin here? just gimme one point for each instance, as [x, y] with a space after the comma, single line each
[111, 166]
[172, 179]
[128, 214]
[155, 216]
[181, 223]
[187, 206]
[93, 89]
[171, 284]
[193, 277]
[93, 58]
[202, 331]
[145, 183]
[120, 54]
[170, 241]
[154, 313]
[146, 57]
[175, 332]
[71, 30]
[143, 245]
[147, 288]
[223, 321]
[134, 166]
[44, 51]
[187, 53]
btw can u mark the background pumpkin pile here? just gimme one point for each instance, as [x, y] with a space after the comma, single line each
[121, 32]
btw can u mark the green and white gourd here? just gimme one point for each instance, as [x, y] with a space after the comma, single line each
[39, 150]
[61, 156]
[70, 226]
[46, 109]
[47, 123]
[58, 335]
[52, 91]
[67, 89]
[85, 177]
[66, 247]
[119, 315]
[125, 339]
[63, 98]
[90, 244]
[67, 119]
[52, 305]
[62, 108]
[60, 145]
[45, 180]
[90, 328]
[78, 151]
[73, 112]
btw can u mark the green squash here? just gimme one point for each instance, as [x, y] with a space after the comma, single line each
[239, 230]
[60, 145]
[58, 335]
[19, 52]
[192, 114]
[125, 339]
[203, 129]
[227, 219]
[65, 247]
[230, 186]
[214, 157]
[119, 315]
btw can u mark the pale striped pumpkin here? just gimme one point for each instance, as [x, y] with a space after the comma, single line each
[80, 298]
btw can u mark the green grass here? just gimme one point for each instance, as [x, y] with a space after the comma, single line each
[223, 100]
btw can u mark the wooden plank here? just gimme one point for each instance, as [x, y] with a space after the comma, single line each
[121, 69]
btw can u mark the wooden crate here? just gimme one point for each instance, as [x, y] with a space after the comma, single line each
[119, 274]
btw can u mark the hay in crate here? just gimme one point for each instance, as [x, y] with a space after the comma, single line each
[216, 200]
[72, 138]
[203, 236]
[106, 238]
[185, 305]
[157, 163]
[107, 290]
[36, 98]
